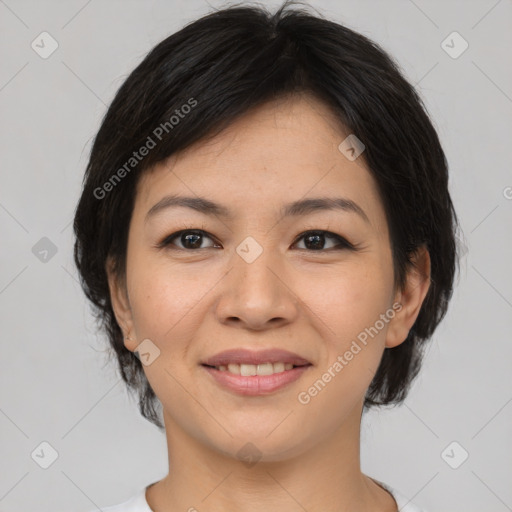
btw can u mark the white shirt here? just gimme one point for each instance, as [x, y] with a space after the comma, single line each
[138, 503]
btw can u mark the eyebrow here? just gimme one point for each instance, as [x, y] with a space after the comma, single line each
[293, 209]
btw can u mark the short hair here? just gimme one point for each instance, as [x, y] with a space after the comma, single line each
[220, 66]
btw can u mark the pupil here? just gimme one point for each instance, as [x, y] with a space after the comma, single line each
[318, 241]
[190, 237]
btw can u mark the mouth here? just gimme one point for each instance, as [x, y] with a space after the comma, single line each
[251, 370]
[246, 358]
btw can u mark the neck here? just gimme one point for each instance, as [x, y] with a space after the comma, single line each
[323, 476]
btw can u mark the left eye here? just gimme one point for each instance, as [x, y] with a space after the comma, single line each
[192, 239]
[317, 238]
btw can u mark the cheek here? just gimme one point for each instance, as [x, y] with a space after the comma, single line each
[348, 308]
[166, 303]
[350, 300]
[162, 294]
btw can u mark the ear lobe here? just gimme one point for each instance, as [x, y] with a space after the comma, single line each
[411, 297]
[120, 303]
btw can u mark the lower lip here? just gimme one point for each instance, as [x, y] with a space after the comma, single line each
[256, 384]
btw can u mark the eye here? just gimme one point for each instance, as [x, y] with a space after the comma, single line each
[315, 240]
[190, 239]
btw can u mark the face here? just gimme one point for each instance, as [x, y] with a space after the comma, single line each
[254, 278]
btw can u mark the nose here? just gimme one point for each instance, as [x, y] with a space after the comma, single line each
[257, 295]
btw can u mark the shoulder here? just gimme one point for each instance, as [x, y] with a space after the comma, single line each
[136, 503]
[404, 504]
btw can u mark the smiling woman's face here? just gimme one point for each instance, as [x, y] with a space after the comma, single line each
[257, 280]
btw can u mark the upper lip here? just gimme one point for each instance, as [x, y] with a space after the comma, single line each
[244, 356]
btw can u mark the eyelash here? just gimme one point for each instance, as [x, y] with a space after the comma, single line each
[342, 245]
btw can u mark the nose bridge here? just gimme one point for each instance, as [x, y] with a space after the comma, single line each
[255, 267]
[255, 291]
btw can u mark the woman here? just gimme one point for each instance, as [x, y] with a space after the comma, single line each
[266, 232]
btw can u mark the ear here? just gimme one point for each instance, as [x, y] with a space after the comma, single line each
[121, 305]
[410, 297]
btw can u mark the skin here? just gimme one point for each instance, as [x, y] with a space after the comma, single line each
[193, 303]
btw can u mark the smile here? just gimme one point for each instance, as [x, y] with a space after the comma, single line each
[255, 369]
[250, 379]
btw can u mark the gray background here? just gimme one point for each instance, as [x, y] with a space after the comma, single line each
[56, 384]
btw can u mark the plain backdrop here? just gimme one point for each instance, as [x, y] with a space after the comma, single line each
[56, 385]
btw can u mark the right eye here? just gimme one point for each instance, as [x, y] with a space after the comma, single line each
[191, 239]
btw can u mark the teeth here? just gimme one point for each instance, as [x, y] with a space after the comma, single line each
[234, 368]
[247, 370]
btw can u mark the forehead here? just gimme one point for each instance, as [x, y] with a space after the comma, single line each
[276, 130]
[278, 152]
